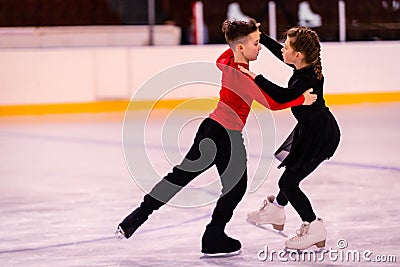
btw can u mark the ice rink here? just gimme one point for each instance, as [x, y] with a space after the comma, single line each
[65, 186]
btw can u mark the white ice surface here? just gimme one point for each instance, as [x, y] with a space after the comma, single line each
[64, 187]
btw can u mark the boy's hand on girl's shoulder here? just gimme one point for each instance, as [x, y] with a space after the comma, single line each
[309, 98]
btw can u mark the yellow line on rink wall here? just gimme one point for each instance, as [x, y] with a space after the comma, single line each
[340, 99]
[63, 108]
[193, 104]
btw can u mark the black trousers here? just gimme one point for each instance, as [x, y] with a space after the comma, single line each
[289, 185]
[213, 145]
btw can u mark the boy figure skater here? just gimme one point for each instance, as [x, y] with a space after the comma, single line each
[223, 144]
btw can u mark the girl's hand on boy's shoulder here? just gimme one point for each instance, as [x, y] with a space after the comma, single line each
[246, 71]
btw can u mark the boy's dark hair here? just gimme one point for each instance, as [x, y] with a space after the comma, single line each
[237, 29]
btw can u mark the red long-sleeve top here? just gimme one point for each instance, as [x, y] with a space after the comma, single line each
[237, 93]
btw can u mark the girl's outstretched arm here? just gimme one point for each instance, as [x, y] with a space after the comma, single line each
[253, 90]
[282, 94]
[273, 46]
[268, 102]
[278, 93]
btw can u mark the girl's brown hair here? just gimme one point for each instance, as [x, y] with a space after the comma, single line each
[235, 30]
[306, 41]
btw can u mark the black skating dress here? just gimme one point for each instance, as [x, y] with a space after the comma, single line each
[316, 135]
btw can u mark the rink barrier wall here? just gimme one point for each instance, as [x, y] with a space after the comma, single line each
[101, 79]
[123, 105]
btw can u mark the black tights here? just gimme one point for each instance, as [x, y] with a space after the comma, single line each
[213, 145]
[291, 192]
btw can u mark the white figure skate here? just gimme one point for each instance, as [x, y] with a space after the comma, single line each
[269, 213]
[235, 13]
[309, 234]
[307, 17]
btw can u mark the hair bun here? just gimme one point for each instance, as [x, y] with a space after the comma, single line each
[226, 25]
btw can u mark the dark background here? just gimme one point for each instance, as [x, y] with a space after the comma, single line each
[365, 19]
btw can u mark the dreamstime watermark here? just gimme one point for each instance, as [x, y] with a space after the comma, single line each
[152, 151]
[339, 254]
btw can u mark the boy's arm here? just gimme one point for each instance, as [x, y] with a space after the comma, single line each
[237, 82]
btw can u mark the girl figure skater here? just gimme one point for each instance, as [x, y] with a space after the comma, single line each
[218, 142]
[314, 139]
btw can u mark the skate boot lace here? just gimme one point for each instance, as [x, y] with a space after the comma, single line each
[262, 208]
[263, 205]
[301, 233]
